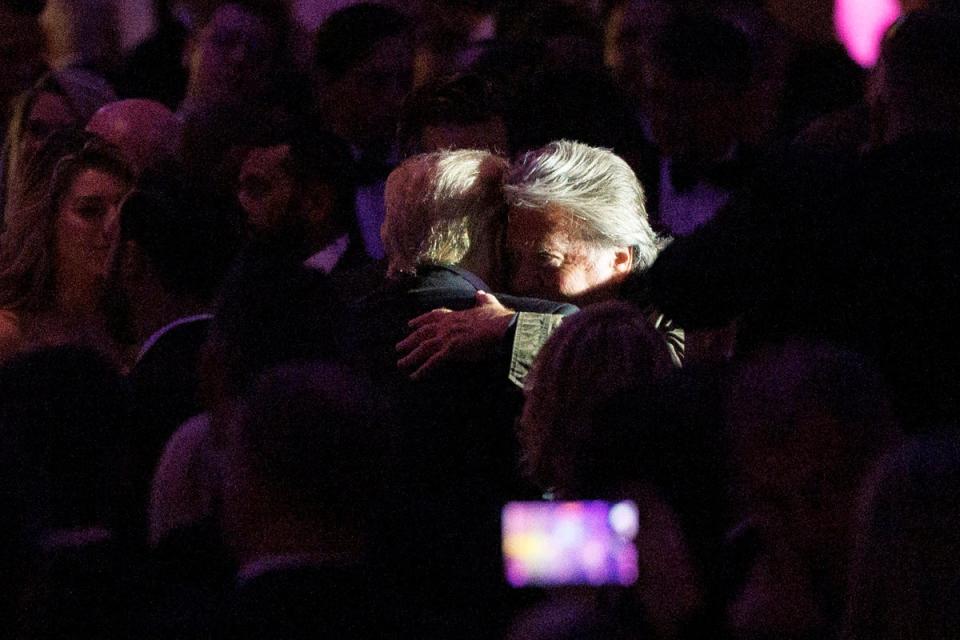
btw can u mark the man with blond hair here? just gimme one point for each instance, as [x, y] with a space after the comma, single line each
[443, 233]
[446, 209]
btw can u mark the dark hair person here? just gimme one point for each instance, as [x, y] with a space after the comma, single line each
[904, 578]
[602, 420]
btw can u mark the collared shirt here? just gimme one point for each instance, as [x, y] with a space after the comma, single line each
[371, 212]
[268, 563]
[152, 340]
[371, 209]
[682, 212]
[327, 258]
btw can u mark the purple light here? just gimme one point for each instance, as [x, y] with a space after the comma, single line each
[562, 543]
[860, 24]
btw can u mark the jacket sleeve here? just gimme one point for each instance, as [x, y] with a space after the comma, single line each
[532, 331]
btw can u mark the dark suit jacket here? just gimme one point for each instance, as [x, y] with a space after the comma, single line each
[469, 407]
[154, 69]
[357, 274]
[309, 602]
[458, 455]
[164, 391]
[165, 380]
[384, 314]
[864, 252]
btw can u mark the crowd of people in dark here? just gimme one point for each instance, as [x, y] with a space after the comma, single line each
[288, 317]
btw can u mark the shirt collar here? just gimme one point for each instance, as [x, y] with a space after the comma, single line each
[283, 561]
[152, 340]
[327, 258]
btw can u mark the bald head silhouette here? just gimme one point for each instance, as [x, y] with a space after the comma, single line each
[145, 131]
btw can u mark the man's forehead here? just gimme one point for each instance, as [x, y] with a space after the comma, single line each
[551, 224]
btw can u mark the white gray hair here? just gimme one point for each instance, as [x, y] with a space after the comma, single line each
[443, 207]
[594, 186]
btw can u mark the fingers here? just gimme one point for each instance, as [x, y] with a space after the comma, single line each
[432, 364]
[416, 338]
[442, 335]
[483, 297]
[422, 354]
[428, 317]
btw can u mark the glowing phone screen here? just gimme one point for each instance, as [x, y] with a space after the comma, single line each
[568, 543]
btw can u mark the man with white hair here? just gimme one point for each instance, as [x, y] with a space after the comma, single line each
[578, 224]
[577, 231]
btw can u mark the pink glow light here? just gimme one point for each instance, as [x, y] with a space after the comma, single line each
[861, 25]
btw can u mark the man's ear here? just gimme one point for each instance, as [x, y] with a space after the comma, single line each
[623, 259]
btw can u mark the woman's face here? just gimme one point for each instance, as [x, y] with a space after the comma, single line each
[87, 223]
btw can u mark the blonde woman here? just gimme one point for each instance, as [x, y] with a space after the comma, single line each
[53, 253]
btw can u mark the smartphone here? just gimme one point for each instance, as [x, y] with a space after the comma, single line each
[549, 544]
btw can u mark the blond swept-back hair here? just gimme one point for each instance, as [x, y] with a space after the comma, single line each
[444, 207]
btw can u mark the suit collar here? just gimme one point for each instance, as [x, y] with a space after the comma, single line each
[438, 271]
[158, 334]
